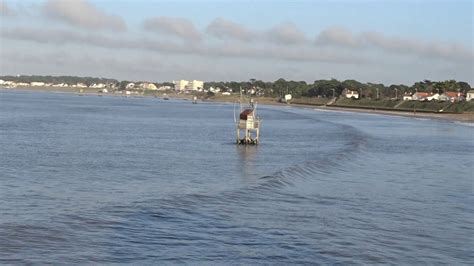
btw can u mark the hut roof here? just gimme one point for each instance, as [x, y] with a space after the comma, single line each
[245, 113]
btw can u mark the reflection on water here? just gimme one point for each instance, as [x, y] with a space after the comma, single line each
[247, 155]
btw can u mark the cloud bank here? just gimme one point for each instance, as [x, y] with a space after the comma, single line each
[80, 13]
[282, 34]
[177, 27]
[286, 34]
[228, 30]
[5, 10]
[341, 37]
[232, 50]
[224, 42]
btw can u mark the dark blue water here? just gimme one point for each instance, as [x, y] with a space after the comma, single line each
[87, 179]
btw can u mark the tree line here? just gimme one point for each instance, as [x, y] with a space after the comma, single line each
[280, 87]
[334, 87]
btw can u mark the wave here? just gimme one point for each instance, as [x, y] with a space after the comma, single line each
[319, 166]
[322, 163]
[466, 124]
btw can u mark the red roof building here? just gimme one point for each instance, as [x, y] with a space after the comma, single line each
[246, 113]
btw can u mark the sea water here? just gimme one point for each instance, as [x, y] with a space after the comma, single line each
[87, 179]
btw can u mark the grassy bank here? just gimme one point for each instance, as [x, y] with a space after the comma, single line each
[311, 101]
[406, 106]
[366, 103]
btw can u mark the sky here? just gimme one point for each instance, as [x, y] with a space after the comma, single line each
[386, 41]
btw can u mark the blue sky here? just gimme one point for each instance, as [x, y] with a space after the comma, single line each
[427, 19]
[373, 41]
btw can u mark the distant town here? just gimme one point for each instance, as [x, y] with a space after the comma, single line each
[449, 90]
[435, 96]
[111, 86]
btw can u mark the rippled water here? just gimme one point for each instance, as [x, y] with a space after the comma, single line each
[141, 180]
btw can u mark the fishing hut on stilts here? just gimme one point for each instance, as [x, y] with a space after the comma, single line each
[248, 124]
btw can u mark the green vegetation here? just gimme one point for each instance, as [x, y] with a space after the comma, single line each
[310, 101]
[334, 88]
[320, 92]
[280, 87]
[367, 103]
[428, 106]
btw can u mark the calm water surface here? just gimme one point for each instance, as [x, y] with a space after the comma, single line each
[141, 180]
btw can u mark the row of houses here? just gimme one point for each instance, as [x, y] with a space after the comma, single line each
[180, 86]
[13, 84]
[451, 96]
[141, 86]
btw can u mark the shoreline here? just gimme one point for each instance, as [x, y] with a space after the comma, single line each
[464, 117]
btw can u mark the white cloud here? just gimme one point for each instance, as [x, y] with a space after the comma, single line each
[230, 50]
[450, 51]
[286, 34]
[282, 34]
[225, 29]
[178, 27]
[336, 50]
[81, 13]
[338, 36]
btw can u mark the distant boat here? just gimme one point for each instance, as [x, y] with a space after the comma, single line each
[195, 100]
[165, 97]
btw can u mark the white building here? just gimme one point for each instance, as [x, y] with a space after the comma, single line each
[60, 85]
[350, 94]
[98, 85]
[407, 97]
[433, 97]
[214, 90]
[470, 95]
[180, 84]
[130, 86]
[164, 88]
[149, 86]
[195, 85]
[34, 83]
